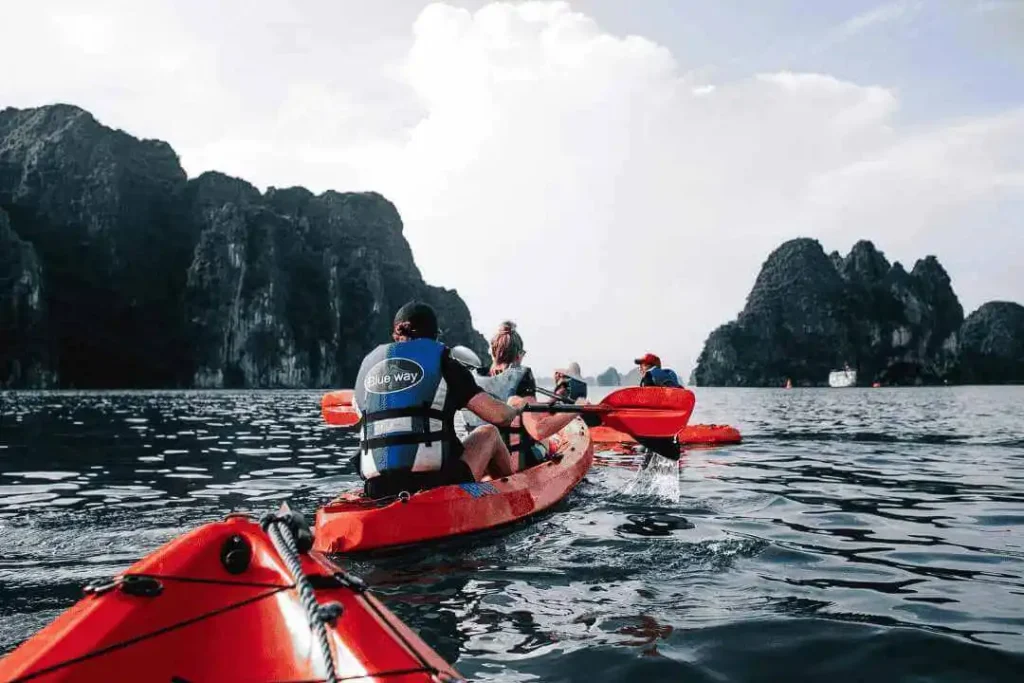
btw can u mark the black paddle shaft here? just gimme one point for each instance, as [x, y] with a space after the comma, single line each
[572, 408]
[667, 446]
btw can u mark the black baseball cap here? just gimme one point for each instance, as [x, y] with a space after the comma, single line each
[421, 319]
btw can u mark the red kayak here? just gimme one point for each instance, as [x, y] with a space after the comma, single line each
[353, 522]
[221, 603]
[691, 435]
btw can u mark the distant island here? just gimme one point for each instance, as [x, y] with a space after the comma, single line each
[810, 314]
[116, 270]
[609, 378]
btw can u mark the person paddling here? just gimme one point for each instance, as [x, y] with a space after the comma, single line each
[569, 383]
[509, 380]
[407, 393]
[653, 375]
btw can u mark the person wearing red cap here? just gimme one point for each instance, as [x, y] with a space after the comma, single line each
[653, 375]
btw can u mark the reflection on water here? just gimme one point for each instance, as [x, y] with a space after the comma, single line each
[854, 534]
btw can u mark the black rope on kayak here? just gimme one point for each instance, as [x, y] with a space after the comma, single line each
[290, 535]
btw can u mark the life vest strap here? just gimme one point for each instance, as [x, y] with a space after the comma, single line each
[401, 440]
[413, 411]
[525, 440]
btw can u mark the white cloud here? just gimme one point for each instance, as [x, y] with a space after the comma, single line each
[577, 181]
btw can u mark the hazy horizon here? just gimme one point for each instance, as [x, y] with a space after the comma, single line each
[609, 177]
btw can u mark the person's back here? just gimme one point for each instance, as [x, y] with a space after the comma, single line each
[660, 377]
[653, 375]
[509, 379]
[569, 384]
[401, 391]
[408, 392]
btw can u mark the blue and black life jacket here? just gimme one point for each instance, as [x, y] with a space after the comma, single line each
[660, 377]
[503, 387]
[400, 392]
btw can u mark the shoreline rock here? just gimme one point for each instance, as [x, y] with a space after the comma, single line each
[810, 313]
[145, 278]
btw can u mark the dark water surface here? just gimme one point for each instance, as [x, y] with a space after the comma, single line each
[856, 534]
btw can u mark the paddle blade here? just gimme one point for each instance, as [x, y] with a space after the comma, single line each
[651, 415]
[338, 408]
[467, 357]
[639, 422]
[667, 448]
[661, 398]
[648, 412]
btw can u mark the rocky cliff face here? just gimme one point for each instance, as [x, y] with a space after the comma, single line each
[23, 340]
[291, 289]
[100, 209]
[143, 278]
[810, 313]
[992, 345]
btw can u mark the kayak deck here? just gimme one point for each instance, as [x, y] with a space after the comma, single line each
[353, 522]
[185, 613]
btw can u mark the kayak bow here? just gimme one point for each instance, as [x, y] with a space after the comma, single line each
[222, 602]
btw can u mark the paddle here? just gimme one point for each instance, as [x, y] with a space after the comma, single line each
[651, 415]
[339, 409]
[557, 397]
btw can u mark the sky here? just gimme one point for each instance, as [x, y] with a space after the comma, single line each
[610, 175]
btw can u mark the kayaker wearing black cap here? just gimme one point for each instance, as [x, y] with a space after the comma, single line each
[653, 375]
[407, 393]
[509, 380]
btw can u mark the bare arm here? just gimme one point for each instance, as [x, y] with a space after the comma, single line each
[542, 425]
[486, 407]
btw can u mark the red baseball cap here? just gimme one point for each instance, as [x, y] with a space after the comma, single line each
[648, 359]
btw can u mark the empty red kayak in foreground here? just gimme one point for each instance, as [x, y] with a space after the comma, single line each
[691, 435]
[220, 604]
[353, 522]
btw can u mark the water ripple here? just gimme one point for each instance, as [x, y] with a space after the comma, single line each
[854, 534]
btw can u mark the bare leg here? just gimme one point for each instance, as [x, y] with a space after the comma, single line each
[486, 453]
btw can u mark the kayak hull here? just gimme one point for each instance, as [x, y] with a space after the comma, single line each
[353, 522]
[691, 435]
[180, 615]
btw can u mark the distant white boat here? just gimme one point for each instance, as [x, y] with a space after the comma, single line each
[840, 379]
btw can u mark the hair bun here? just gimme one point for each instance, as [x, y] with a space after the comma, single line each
[507, 327]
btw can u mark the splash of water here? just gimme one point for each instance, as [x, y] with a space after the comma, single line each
[657, 477]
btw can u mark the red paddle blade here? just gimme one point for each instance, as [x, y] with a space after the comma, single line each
[657, 412]
[661, 398]
[645, 422]
[338, 409]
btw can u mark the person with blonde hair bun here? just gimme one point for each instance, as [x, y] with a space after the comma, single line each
[509, 380]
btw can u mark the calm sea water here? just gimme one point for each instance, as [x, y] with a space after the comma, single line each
[855, 534]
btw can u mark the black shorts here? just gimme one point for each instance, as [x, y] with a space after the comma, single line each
[534, 455]
[393, 483]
